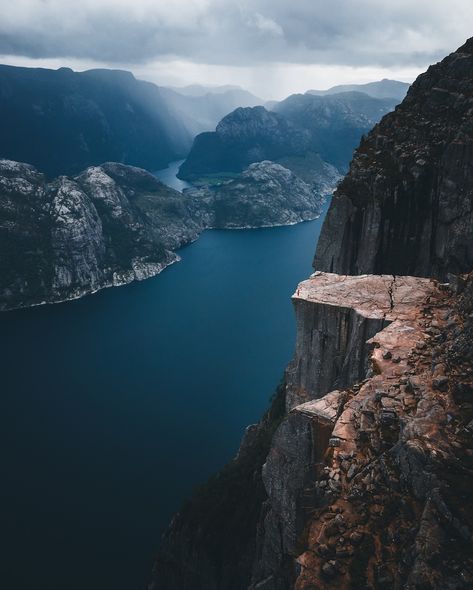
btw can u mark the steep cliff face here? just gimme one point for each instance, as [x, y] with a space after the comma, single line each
[389, 505]
[337, 315]
[406, 206]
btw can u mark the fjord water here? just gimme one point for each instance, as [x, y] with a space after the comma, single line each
[168, 176]
[115, 406]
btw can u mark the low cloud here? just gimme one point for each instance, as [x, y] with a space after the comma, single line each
[270, 46]
[237, 32]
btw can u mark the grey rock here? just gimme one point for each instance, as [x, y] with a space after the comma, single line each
[395, 214]
[113, 224]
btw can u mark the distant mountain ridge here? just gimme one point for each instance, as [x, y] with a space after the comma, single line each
[329, 126]
[62, 121]
[381, 89]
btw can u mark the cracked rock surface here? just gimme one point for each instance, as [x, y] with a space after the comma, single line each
[390, 505]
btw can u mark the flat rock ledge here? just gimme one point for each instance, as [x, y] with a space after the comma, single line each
[336, 315]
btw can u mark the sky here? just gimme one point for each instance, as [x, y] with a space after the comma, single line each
[271, 47]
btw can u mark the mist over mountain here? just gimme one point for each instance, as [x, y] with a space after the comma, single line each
[202, 108]
[381, 89]
[62, 121]
[202, 90]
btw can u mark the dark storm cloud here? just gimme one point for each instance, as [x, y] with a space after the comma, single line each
[237, 32]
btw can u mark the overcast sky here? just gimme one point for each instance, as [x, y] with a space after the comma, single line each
[271, 47]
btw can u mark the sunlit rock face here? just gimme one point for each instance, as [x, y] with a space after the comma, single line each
[390, 495]
[336, 315]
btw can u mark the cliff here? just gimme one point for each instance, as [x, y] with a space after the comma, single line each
[367, 475]
[355, 470]
[406, 205]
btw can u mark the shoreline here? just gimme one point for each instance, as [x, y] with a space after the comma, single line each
[160, 267]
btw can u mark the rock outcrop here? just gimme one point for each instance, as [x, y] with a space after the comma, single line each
[339, 318]
[406, 206]
[389, 505]
[336, 316]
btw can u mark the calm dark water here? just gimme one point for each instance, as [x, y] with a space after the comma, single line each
[115, 406]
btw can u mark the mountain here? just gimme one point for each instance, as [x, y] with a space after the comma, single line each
[328, 126]
[359, 474]
[264, 195]
[113, 224]
[382, 89]
[244, 136]
[62, 121]
[336, 123]
[71, 236]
